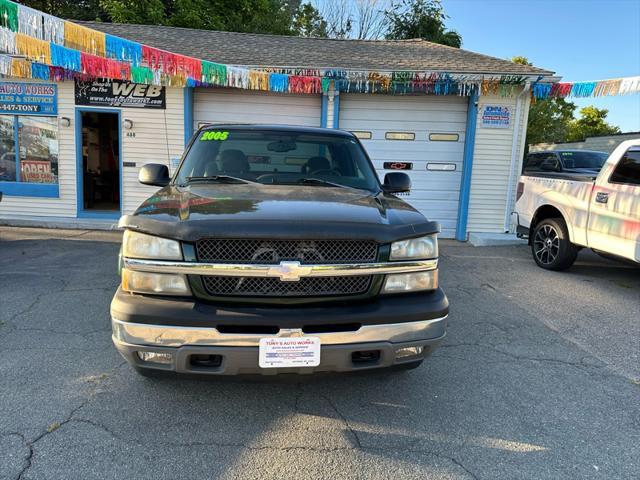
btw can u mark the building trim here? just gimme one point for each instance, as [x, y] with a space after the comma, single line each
[188, 114]
[467, 168]
[24, 189]
[80, 211]
[324, 107]
[336, 110]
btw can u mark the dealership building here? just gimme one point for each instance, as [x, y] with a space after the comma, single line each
[72, 149]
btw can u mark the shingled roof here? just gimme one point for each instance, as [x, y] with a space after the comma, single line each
[260, 50]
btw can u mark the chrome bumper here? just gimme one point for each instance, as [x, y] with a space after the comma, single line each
[174, 336]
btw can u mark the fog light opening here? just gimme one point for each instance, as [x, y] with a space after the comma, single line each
[406, 352]
[155, 357]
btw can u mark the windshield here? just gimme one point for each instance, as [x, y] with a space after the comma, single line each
[278, 158]
[592, 160]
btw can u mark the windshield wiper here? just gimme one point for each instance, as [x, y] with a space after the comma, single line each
[219, 179]
[319, 181]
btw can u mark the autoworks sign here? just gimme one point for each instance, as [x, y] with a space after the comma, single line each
[17, 98]
[115, 93]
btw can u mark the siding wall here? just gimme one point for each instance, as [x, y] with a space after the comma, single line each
[492, 166]
[159, 136]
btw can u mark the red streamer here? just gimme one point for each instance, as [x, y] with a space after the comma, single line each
[171, 63]
[303, 84]
[561, 89]
[100, 67]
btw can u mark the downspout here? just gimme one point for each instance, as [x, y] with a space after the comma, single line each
[515, 153]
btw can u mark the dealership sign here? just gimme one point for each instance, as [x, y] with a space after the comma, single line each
[28, 98]
[115, 93]
[496, 116]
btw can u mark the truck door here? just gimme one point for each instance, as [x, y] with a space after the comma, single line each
[614, 214]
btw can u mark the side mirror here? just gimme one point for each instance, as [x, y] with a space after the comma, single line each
[396, 182]
[154, 174]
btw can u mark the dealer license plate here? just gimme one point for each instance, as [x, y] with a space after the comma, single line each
[285, 352]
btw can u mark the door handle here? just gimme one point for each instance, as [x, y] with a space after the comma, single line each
[602, 197]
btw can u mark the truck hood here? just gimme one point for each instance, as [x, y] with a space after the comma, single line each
[276, 211]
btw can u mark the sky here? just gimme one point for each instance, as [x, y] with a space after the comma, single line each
[581, 40]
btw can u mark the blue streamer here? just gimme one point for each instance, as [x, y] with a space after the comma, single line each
[278, 82]
[582, 89]
[38, 70]
[123, 50]
[65, 57]
[541, 90]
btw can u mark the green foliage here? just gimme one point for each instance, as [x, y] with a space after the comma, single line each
[420, 19]
[591, 123]
[134, 11]
[307, 22]
[521, 60]
[549, 120]
[76, 9]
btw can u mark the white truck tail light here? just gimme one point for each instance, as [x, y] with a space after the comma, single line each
[519, 190]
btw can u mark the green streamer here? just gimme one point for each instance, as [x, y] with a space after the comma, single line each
[9, 15]
[214, 73]
[141, 75]
[325, 82]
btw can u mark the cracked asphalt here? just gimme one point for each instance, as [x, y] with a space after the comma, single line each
[539, 377]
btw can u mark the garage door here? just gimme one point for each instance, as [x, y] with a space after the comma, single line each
[424, 132]
[223, 106]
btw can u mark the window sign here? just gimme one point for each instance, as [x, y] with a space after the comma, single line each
[496, 116]
[28, 98]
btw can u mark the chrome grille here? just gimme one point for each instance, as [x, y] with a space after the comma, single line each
[272, 252]
[274, 287]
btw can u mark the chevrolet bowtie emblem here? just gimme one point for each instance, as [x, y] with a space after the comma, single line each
[289, 271]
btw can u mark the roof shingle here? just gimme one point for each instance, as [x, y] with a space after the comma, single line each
[261, 50]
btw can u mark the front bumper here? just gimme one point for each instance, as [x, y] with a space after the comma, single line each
[185, 328]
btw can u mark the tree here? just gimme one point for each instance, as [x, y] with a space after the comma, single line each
[360, 19]
[76, 9]
[590, 124]
[307, 22]
[146, 12]
[420, 19]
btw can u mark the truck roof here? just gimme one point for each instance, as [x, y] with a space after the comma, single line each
[279, 128]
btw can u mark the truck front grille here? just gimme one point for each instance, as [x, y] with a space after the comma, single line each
[274, 287]
[272, 252]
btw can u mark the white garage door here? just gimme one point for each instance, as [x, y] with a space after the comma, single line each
[232, 106]
[424, 131]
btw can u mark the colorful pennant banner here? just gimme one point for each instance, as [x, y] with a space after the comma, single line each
[37, 45]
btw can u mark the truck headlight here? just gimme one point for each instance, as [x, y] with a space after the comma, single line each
[141, 245]
[154, 283]
[415, 248]
[411, 282]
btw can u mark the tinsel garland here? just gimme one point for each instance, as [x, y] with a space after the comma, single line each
[100, 67]
[123, 50]
[279, 82]
[304, 84]
[84, 39]
[237, 77]
[30, 22]
[7, 41]
[20, 68]
[9, 15]
[141, 75]
[5, 65]
[581, 90]
[258, 80]
[38, 70]
[214, 73]
[53, 29]
[66, 58]
[33, 49]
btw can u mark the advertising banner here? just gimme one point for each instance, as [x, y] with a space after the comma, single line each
[28, 98]
[115, 93]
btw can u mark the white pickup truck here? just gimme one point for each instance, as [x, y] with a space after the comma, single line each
[560, 213]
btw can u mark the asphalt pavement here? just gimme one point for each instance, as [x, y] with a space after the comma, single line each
[539, 377]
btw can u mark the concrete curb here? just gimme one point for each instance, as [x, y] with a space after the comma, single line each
[494, 239]
[60, 223]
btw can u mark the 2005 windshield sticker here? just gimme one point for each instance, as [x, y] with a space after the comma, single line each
[32, 98]
[214, 135]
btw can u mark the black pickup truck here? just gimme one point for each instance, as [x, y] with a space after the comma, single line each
[275, 249]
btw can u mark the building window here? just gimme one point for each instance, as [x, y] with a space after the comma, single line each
[444, 137]
[400, 136]
[28, 153]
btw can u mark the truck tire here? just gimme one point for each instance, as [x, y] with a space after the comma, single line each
[550, 245]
